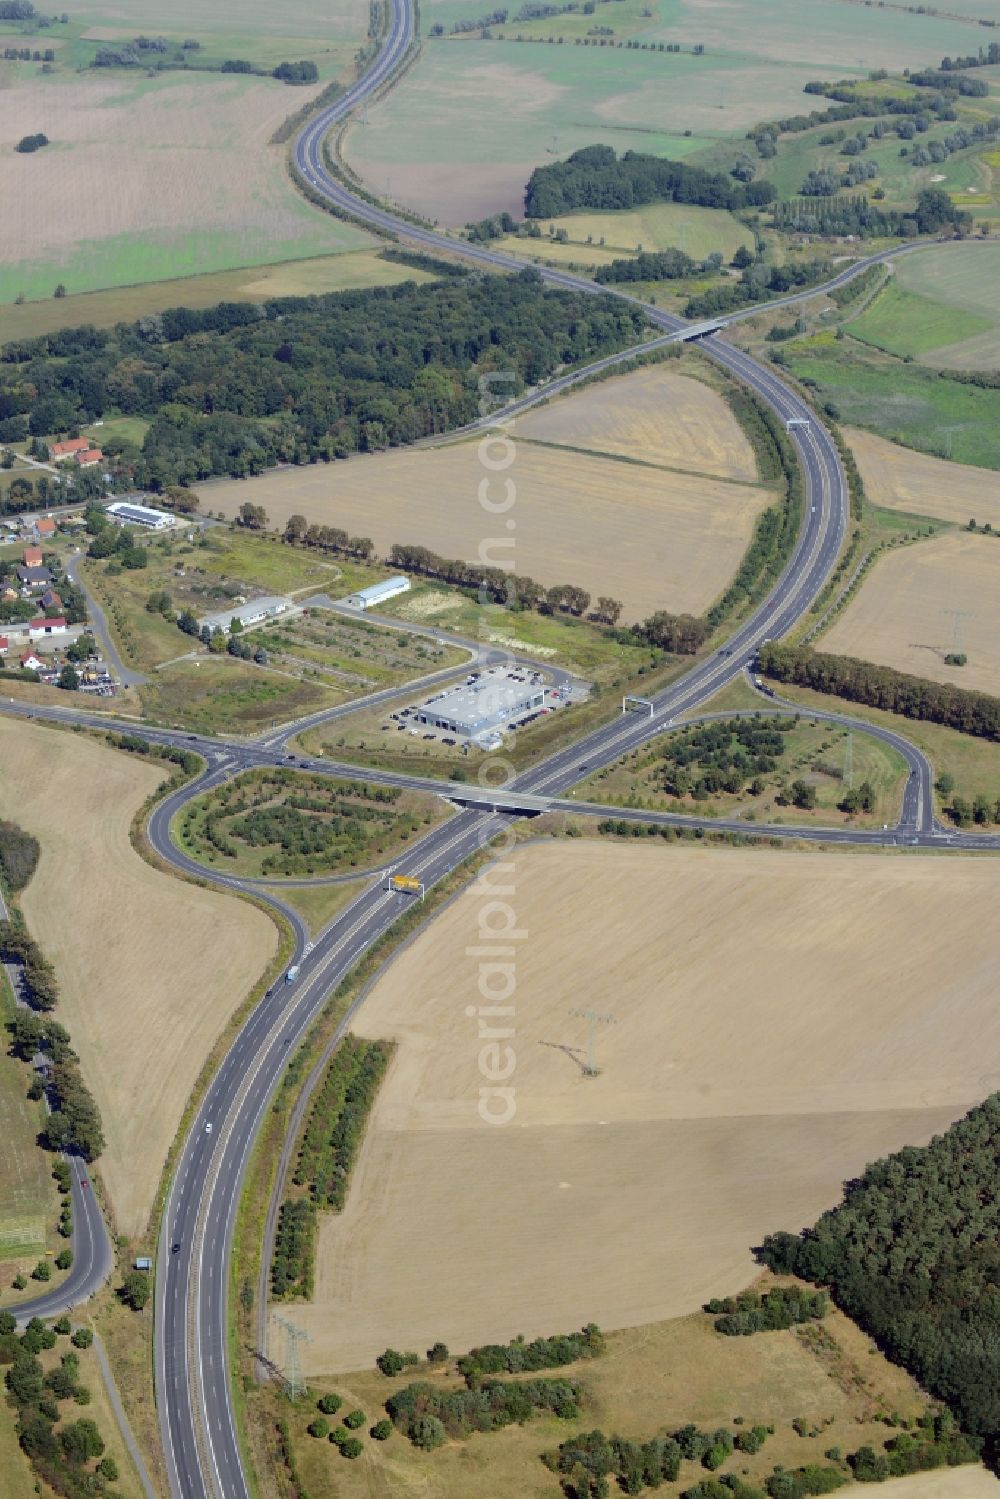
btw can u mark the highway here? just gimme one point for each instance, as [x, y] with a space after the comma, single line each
[191, 1352]
[193, 1263]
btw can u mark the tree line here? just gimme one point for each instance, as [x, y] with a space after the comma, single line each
[520, 1357]
[882, 687]
[594, 177]
[586, 1462]
[513, 590]
[429, 1414]
[70, 1461]
[74, 1122]
[912, 1255]
[770, 1311]
[303, 378]
[337, 1120]
[329, 1145]
[19, 853]
[839, 215]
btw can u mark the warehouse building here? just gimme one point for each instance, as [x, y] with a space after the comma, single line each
[378, 593]
[483, 705]
[253, 612]
[130, 514]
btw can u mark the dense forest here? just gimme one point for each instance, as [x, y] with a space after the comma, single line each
[594, 177]
[237, 388]
[912, 1255]
[883, 687]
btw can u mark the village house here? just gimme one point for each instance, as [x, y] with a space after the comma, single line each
[38, 629]
[50, 600]
[44, 527]
[30, 662]
[4, 645]
[69, 448]
[89, 458]
[33, 579]
[32, 556]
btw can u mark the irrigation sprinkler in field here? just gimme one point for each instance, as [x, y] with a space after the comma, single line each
[295, 1385]
[594, 1018]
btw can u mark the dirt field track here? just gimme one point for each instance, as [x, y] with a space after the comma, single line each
[651, 536]
[150, 969]
[902, 615]
[775, 1029]
[902, 479]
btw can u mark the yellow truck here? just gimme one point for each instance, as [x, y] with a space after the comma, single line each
[405, 884]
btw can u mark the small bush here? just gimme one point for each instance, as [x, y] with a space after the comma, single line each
[382, 1430]
[354, 1419]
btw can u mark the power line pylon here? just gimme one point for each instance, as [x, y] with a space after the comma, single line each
[594, 1018]
[295, 1385]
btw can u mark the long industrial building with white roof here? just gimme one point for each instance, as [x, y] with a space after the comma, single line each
[482, 705]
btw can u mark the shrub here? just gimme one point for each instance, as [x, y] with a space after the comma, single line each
[329, 1404]
[354, 1419]
[319, 1427]
[82, 1337]
[382, 1430]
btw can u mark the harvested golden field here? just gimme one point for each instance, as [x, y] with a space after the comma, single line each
[779, 1020]
[652, 537]
[150, 968]
[654, 414]
[904, 614]
[902, 479]
[222, 194]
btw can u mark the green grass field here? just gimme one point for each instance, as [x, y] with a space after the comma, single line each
[132, 260]
[262, 34]
[901, 322]
[574, 644]
[682, 226]
[257, 283]
[221, 695]
[963, 281]
[905, 402]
